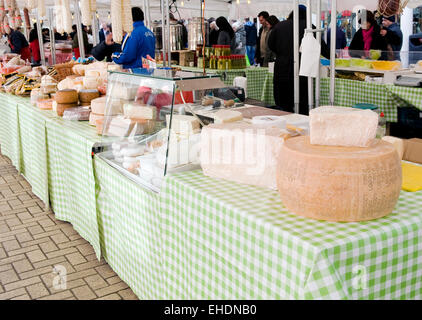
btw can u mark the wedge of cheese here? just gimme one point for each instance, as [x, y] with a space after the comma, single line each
[340, 126]
[242, 153]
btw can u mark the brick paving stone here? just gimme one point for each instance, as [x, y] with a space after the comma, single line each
[59, 238]
[22, 266]
[8, 277]
[75, 258]
[24, 237]
[13, 222]
[6, 267]
[96, 282]
[22, 283]
[2, 253]
[111, 289]
[127, 294]
[11, 245]
[35, 230]
[23, 297]
[58, 253]
[58, 296]
[48, 246]
[105, 271]
[24, 216]
[36, 256]
[86, 249]
[84, 293]
[4, 228]
[113, 280]
[37, 291]
[12, 294]
[113, 296]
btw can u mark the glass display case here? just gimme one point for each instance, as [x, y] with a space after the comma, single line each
[151, 125]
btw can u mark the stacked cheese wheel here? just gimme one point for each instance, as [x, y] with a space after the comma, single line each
[65, 99]
[341, 172]
[96, 118]
[86, 96]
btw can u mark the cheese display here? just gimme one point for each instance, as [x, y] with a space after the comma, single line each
[341, 126]
[242, 153]
[120, 126]
[86, 96]
[98, 105]
[134, 111]
[183, 125]
[93, 117]
[339, 183]
[181, 151]
[61, 107]
[397, 143]
[226, 116]
[66, 96]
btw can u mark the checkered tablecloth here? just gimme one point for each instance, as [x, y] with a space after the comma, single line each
[9, 129]
[223, 240]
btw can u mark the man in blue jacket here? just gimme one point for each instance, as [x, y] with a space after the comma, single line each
[393, 34]
[137, 45]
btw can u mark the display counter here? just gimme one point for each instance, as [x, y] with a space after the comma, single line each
[204, 238]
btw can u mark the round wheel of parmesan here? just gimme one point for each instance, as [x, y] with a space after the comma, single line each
[66, 96]
[339, 183]
[86, 96]
[61, 107]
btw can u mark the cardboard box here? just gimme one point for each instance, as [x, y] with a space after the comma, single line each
[413, 150]
[186, 57]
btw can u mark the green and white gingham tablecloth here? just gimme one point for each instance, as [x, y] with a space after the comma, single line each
[223, 240]
[204, 238]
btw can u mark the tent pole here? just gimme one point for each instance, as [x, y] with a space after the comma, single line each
[167, 11]
[79, 30]
[318, 35]
[40, 38]
[163, 34]
[95, 32]
[52, 39]
[333, 51]
[310, 80]
[296, 53]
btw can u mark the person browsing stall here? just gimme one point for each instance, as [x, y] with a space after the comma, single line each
[105, 49]
[139, 44]
[226, 34]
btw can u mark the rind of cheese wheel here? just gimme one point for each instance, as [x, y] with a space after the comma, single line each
[241, 152]
[86, 96]
[93, 117]
[61, 107]
[339, 183]
[134, 111]
[397, 143]
[341, 126]
[45, 104]
[98, 105]
[226, 116]
[66, 96]
[184, 125]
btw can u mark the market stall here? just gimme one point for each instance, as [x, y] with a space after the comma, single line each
[189, 193]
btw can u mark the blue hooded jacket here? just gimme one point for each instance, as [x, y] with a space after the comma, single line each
[140, 43]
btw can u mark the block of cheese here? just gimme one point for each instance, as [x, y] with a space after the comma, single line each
[134, 111]
[45, 104]
[93, 117]
[226, 116]
[124, 92]
[341, 126]
[120, 126]
[86, 96]
[241, 152]
[90, 82]
[98, 105]
[339, 183]
[183, 125]
[66, 96]
[397, 143]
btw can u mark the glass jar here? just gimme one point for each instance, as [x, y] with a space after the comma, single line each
[221, 63]
[228, 63]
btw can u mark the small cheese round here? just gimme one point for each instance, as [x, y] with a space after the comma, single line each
[86, 96]
[98, 105]
[45, 104]
[90, 83]
[66, 96]
[61, 107]
[341, 184]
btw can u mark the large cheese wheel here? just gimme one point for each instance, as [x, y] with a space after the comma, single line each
[93, 117]
[98, 105]
[66, 96]
[339, 183]
[86, 96]
[61, 107]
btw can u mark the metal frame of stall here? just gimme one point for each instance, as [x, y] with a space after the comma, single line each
[77, 18]
[296, 62]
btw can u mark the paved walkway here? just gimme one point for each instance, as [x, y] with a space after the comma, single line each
[33, 242]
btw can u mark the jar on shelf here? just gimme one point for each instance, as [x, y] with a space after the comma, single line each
[221, 63]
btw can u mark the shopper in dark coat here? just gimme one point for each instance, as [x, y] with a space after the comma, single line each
[269, 54]
[393, 35]
[106, 48]
[368, 37]
[226, 34]
[280, 42]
